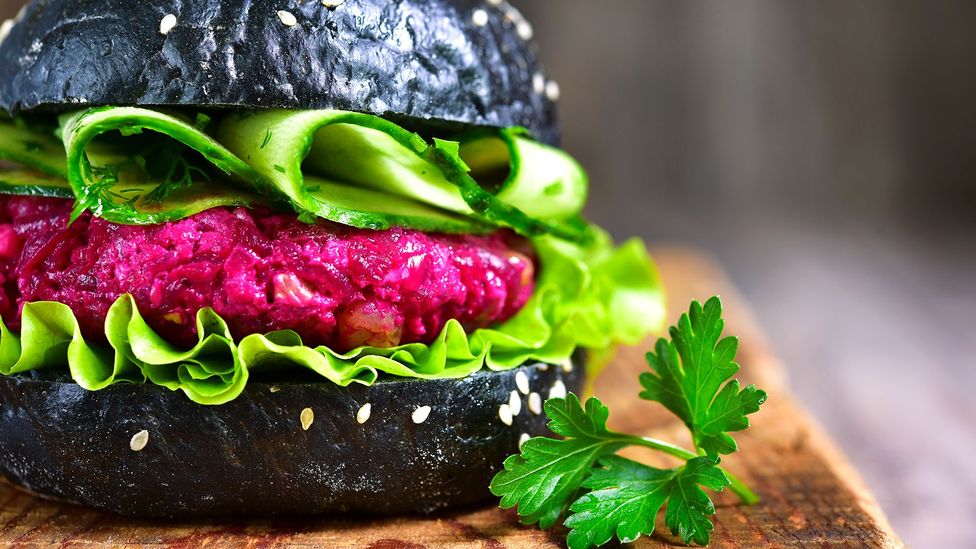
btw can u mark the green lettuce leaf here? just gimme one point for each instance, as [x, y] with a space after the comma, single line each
[589, 296]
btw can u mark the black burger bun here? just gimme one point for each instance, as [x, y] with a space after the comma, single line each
[440, 62]
[142, 450]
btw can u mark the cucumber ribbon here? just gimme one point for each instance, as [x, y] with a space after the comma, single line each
[589, 296]
[142, 166]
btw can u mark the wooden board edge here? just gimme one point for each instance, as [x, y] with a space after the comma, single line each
[772, 374]
[846, 471]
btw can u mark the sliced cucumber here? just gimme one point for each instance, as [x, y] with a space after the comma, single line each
[29, 183]
[32, 148]
[115, 185]
[362, 177]
[101, 138]
[542, 181]
[446, 155]
[370, 152]
[343, 204]
[136, 165]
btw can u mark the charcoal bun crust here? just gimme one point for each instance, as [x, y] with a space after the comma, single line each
[415, 59]
[252, 455]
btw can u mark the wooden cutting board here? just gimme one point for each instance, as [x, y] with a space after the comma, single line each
[811, 495]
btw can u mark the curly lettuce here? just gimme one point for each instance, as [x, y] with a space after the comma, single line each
[591, 296]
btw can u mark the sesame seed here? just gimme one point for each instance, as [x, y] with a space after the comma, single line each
[495, 3]
[524, 29]
[287, 18]
[542, 366]
[558, 389]
[523, 438]
[479, 17]
[420, 414]
[307, 417]
[274, 389]
[167, 24]
[332, 4]
[139, 440]
[567, 365]
[535, 403]
[539, 83]
[505, 414]
[5, 28]
[362, 416]
[515, 403]
[522, 382]
[552, 90]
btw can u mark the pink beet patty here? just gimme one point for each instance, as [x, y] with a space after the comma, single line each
[261, 271]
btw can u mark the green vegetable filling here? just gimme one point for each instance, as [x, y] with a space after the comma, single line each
[141, 166]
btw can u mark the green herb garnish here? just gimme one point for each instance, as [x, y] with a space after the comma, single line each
[693, 390]
[604, 494]
[169, 165]
[267, 138]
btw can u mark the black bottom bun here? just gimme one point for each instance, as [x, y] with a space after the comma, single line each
[254, 456]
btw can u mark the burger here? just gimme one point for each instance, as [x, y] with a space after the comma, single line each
[290, 256]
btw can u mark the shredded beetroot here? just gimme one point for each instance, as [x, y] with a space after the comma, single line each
[261, 271]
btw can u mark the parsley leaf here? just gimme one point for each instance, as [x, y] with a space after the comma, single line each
[692, 387]
[626, 497]
[688, 506]
[606, 495]
[625, 500]
[548, 472]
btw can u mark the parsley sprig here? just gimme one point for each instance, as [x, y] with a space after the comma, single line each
[604, 495]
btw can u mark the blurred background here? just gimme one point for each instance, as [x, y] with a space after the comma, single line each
[825, 152]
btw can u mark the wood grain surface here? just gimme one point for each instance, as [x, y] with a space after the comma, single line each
[811, 495]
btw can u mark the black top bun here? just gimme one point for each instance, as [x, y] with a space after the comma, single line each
[447, 61]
